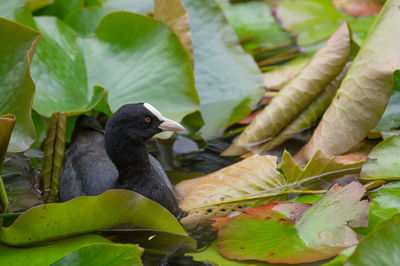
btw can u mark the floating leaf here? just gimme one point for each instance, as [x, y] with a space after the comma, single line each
[255, 25]
[158, 72]
[383, 162]
[359, 7]
[313, 21]
[112, 209]
[380, 247]
[390, 120]
[368, 83]
[7, 6]
[383, 204]
[80, 246]
[308, 116]
[17, 87]
[226, 77]
[326, 64]
[277, 78]
[173, 14]
[322, 232]
[255, 180]
[210, 254]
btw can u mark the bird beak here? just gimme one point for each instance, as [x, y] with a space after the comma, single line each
[170, 125]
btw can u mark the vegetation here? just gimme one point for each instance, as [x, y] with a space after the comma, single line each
[292, 111]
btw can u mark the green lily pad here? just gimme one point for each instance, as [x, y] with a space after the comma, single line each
[390, 120]
[80, 247]
[7, 6]
[141, 61]
[380, 247]
[382, 162]
[383, 204]
[254, 24]
[103, 254]
[227, 78]
[17, 87]
[368, 82]
[312, 21]
[112, 209]
[323, 231]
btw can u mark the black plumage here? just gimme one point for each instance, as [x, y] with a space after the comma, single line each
[88, 169]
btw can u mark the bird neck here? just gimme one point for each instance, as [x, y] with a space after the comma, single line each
[129, 156]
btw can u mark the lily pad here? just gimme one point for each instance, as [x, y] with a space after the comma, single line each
[368, 82]
[17, 87]
[254, 181]
[226, 77]
[382, 162]
[158, 72]
[323, 231]
[326, 64]
[80, 248]
[174, 14]
[313, 21]
[390, 120]
[112, 209]
[383, 204]
[380, 247]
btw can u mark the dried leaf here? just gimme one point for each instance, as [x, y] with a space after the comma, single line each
[326, 64]
[364, 93]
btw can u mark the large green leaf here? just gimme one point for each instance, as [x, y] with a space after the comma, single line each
[226, 77]
[210, 254]
[323, 231]
[103, 254]
[7, 6]
[16, 85]
[141, 61]
[112, 209]
[312, 21]
[367, 84]
[81, 245]
[326, 64]
[383, 204]
[254, 24]
[380, 247]
[382, 162]
[255, 180]
[174, 14]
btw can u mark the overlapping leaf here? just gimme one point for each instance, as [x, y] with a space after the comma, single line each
[365, 91]
[226, 77]
[313, 21]
[309, 115]
[17, 87]
[323, 231]
[173, 14]
[255, 180]
[380, 247]
[81, 249]
[383, 161]
[112, 209]
[136, 65]
[326, 64]
[390, 120]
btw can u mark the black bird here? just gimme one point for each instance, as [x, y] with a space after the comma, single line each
[88, 169]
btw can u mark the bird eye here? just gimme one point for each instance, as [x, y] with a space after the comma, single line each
[147, 119]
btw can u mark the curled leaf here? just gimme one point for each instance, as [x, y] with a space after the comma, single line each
[326, 64]
[365, 91]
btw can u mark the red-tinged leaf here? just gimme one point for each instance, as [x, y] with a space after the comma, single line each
[322, 231]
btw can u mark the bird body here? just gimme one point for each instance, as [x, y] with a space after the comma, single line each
[119, 158]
